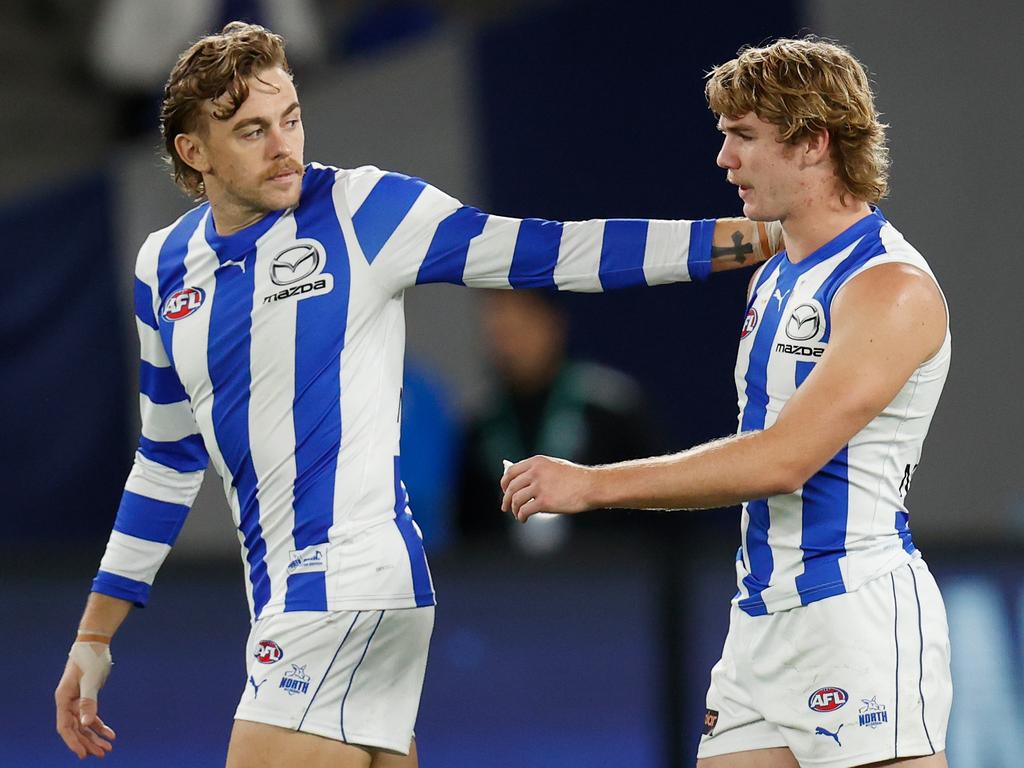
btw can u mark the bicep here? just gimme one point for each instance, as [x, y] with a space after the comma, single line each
[885, 323]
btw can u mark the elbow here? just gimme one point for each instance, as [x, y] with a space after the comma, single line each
[786, 479]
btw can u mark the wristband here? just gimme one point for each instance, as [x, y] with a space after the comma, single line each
[94, 633]
[769, 239]
[94, 660]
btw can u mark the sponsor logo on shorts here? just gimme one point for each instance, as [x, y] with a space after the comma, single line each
[295, 680]
[308, 560]
[828, 699]
[256, 686]
[710, 721]
[819, 731]
[268, 652]
[872, 714]
[183, 303]
[749, 323]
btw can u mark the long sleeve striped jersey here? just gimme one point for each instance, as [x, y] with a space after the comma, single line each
[276, 353]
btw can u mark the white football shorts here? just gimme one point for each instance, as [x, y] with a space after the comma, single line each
[352, 676]
[845, 681]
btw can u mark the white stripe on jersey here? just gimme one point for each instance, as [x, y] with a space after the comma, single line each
[133, 558]
[489, 259]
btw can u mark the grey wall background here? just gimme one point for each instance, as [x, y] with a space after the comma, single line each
[948, 81]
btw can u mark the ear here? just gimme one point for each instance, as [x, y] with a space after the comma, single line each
[816, 148]
[193, 151]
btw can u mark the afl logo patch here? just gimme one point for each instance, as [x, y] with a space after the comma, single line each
[749, 323]
[806, 322]
[183, 303]
[827, 699]
[268, 652]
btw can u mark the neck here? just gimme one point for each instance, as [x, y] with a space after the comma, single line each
[813, 224]
[231, 218]
[230, 213]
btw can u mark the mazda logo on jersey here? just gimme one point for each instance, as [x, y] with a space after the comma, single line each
[806, 322]
[183, 303]
[294, 264]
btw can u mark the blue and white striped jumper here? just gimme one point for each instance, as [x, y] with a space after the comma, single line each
[848, 524]
[276, 353]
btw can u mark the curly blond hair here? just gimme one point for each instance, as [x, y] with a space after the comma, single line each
[803, 87]
[210, 68]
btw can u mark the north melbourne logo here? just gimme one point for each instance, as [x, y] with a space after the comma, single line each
[309, 560]
[295, 680]
[872, 714]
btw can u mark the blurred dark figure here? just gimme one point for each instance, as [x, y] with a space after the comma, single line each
[544, 402]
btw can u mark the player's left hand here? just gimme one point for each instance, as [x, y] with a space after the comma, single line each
[545, 484]
[78, 722]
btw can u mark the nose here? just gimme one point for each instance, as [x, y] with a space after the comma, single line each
[727, 159]
[278, 144]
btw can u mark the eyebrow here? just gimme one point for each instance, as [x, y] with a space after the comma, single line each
[734, 128]
[262, 122]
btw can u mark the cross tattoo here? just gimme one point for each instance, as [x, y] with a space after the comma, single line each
[738, 249]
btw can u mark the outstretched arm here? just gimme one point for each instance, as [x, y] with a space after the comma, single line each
[410, 233]
[886, 322]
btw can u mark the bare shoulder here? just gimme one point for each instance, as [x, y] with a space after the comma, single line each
[897, 285]
[896, 299]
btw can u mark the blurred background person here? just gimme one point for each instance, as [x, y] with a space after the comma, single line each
[544, 401]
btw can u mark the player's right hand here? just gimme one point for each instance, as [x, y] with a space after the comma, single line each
[76, 697]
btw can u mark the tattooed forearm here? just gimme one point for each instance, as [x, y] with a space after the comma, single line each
[738, 243]
[738, 252]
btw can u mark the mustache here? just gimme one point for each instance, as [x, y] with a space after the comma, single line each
[285, 167]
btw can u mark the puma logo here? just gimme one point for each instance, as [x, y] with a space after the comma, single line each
[240, 263]
[819, 731]
[256, 688]
[780, 296]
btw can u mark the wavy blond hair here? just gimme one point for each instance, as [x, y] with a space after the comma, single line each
[210, 68]
[803, 87]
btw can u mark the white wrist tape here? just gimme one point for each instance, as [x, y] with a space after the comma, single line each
[769, 240]
[94, 660]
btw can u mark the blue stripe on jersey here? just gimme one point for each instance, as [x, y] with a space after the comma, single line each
[535, 254]
[149, 519]
[160, 385]
[121, 587]
[622, 253]
[228, 361]
[320, 325]
[445, 261]
[767, 271]
[826, 508]
[383, 210]
[759, 554]
[413, 542]
[144, 304]
[698, 256]
[903, 530]
[170, 268]
[185, 455]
